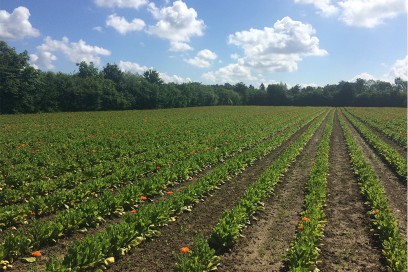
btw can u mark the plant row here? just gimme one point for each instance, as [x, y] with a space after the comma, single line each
[303, 252]
[180, 169]
[118, 239]
[390, 155]
[42, 147]
[390, 122]
[92, 212]
[382, 218]
[227, 231]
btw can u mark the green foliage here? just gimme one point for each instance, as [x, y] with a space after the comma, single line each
[382, 218]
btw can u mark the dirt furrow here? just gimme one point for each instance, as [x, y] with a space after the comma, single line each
[159, 254]
[396, 191]
[265, 242]
[348, 244]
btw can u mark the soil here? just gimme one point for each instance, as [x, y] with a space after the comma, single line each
[395, 190]
[264, 245]
[348, 244]
[160, 253]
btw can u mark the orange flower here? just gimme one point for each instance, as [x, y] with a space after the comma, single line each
[157, 168]
[169, 193]
[376, 211]
[300, 227]
[185, 250]
[23, 145]
[143, 198]
[36, 254]
[133, 211]
[93, 150]
[305, 219]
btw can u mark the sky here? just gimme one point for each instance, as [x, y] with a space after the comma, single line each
[306, 42]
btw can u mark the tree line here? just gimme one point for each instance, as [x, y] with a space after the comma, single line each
[24, 89]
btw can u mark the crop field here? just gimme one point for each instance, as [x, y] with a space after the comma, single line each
[211, 188]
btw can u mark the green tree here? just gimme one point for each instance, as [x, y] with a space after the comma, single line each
[152, 76]
[87, 70]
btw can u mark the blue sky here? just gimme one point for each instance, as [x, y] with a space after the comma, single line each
[216, 41]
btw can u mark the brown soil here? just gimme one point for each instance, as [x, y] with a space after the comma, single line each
[160, 253]
[264, 245]
[348, 243]
[395, 190]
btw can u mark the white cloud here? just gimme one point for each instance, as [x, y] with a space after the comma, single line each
[121, 25]
[203, 58]
[174, 78]
[365, 76]
[325, 7]
[232, 73]
[279, 48]
[399, 69]
[177, 24]
[98, 28]
[16, 26]
[121, 3]
[370, 13]
[127, 66]
[73, 51]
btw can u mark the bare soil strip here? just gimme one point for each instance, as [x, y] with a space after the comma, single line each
[348, 244]
[159, 254]
[265, 242]
[396, 191]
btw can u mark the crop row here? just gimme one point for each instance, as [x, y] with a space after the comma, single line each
[94, 211]
[176, 167]
[390, 155]
[390, 122]
[116, 240]
[228, 229]
[64, 146]
[382, 218]
[303, 252]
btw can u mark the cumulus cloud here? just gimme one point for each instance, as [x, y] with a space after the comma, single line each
[174, 78]
[370, 13]
[399, 69]
[128, 66]
[15, 25]
[279, 48]
[203, 58]
[324, 7]
[121, 3]
[232, 73]
[132, 67]
[365, 76]
[75, 52]
[177, 24]
[121, 25]
[360, 13]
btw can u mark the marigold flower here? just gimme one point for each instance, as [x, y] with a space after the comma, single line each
[157, 168]
[36, 254]
[185, 250]
[376, 211]
[300, 227]
[305, 219]
[169, 192]
[93, 150]
[133, 211]
[143, 198]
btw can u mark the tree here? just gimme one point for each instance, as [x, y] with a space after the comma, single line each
[152, 76]
[87, 70]
[112, 72]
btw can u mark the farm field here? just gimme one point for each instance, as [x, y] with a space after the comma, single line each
[229, 188]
